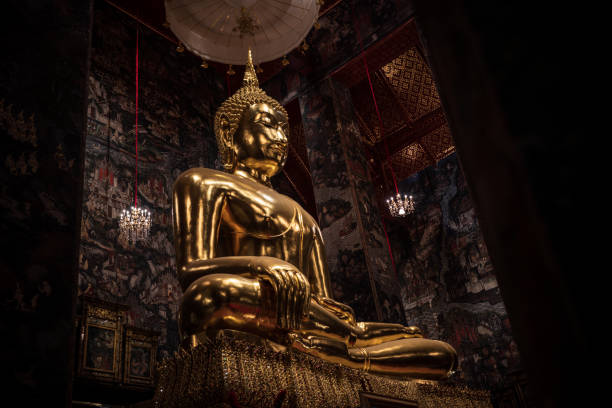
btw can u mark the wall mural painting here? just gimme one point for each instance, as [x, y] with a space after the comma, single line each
[335, 203]
[175, 133]
[450, 289]
[333, 210]
[349, 218]
[377, 255]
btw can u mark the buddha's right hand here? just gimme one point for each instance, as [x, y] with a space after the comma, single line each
[291, 289]
[342, 311]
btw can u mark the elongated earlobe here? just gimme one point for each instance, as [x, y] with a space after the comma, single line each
[227, 154]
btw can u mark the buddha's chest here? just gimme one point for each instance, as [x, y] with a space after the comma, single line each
[265, 215]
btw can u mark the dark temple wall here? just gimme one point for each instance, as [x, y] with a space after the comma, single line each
[43, 92]
[515, 102]
[349, 274]
[177, 101]
[450, 289]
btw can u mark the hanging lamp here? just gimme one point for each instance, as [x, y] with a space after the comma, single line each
[135, 222]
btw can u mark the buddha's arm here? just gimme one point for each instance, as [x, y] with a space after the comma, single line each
[317, 266]
[198, 202]
[290, 287]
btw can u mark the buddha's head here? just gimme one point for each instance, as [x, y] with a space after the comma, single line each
[252, 128]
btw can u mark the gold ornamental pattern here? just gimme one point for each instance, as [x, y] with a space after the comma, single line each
[411, 80]
[255, 376]
[430, 149]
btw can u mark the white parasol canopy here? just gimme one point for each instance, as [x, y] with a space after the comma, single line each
[224, 30]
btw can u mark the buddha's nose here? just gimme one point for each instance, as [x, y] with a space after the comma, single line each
[280, 135]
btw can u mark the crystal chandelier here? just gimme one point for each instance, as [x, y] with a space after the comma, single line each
[135, 223]
[400, 206]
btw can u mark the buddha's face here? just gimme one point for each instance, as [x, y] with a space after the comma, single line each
[260, 142]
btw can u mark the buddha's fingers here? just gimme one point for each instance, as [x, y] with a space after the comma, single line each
[282, 298]
[271, 280]
[291, 298]
[304, 297]
[298, 300]
[275, 281]
[292, 295]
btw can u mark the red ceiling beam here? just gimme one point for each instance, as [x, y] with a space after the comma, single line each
[410, 133]
[378, 54]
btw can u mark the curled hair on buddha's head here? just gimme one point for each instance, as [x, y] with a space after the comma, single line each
[227, 117]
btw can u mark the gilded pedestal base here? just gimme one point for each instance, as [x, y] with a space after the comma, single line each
[231, 371]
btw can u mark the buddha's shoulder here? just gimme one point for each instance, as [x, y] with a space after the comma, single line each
[202, 175]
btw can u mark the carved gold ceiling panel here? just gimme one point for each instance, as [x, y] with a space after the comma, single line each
[439, 143]
[411, 80]
[430, 149]
[409, 160]
[415, 130]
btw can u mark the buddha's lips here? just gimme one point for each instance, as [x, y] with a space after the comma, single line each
[277, 146]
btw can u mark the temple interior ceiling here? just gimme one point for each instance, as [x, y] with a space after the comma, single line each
[414, 128]
[410, 79]
[152, 14]
[416, 156]
[414, 131]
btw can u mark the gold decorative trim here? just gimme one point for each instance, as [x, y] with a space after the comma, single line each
[256, 375]
[137, 338]
[101, 316]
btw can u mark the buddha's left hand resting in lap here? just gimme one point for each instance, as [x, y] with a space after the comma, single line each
[253, 260]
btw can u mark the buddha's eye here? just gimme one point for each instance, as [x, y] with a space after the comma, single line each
[267, 121]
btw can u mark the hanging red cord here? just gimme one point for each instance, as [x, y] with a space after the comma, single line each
[136, 128]
[380, 121]
[365, 63]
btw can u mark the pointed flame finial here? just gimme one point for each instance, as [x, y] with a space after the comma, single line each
[250, 77]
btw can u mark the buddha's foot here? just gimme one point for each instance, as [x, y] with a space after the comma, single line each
[324, 348]
[374, 333]
[414, 357]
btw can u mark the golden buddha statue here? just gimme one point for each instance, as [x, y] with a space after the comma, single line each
[252, 260]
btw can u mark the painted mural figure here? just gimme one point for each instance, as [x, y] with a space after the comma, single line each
[252, 260]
